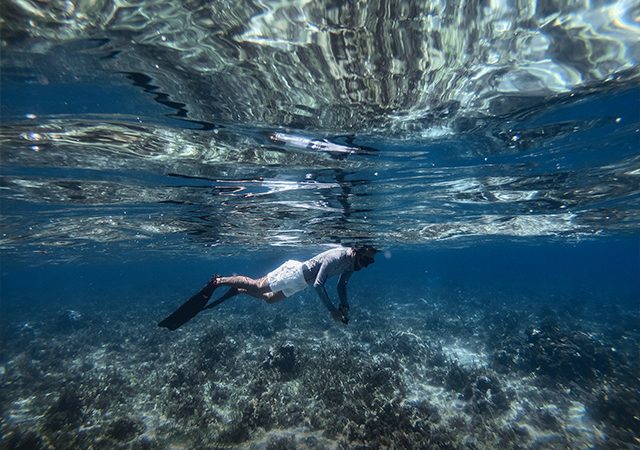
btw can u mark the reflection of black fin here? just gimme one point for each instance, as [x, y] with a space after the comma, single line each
[189, 309]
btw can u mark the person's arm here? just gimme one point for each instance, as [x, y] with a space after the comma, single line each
[324, 297]
[342, 292]
[322, 293]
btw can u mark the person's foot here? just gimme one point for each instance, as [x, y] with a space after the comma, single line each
[211, 286]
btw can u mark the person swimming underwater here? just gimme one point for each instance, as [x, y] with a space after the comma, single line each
[285, 281]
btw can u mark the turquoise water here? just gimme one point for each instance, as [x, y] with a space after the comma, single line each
[489, 151]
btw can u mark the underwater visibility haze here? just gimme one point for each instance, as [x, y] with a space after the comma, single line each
[489, 149]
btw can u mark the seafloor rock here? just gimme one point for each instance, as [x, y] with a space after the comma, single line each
[488, 395]
[270, 327]
[565, 355]
[183, 396]
[282, 443]
[102, 389]
[551, 350]
[617, 407]
[65, 413]
[481, 388]
[283, 359]
[27, 367]
[501, 326]
[124, 429]
[15, 439]
[458, 379]
[68, 321]
[216, 348]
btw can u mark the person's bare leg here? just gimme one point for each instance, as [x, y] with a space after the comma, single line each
[273, 297]
[269, 297]
[255, 288]
[250, 285]
[232, 292]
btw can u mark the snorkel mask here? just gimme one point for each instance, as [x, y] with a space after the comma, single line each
[365, 256]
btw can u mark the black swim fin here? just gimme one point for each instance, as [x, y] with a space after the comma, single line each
[229, 294]
[189, 309]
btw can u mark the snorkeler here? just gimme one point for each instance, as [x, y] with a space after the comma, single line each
[288, 279]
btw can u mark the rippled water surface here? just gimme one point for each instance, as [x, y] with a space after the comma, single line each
[179, 126]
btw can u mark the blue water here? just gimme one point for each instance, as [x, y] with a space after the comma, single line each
[145, 148]
[602, 272]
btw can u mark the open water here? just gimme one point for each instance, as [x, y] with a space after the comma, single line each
[489, 149]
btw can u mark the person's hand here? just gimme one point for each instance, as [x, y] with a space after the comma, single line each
[344, 310]
[339, 317]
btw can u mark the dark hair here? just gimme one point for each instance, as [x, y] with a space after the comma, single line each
[365, 255]
[366, 249]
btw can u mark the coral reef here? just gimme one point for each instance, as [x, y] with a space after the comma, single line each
[442, 373]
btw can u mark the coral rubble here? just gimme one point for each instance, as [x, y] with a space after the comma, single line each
[437, 375]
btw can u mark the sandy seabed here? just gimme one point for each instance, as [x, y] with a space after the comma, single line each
[427, 373]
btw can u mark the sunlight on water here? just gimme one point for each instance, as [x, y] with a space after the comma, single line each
[391, 67]
[289, 123]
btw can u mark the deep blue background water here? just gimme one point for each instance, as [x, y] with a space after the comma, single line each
[597, 273]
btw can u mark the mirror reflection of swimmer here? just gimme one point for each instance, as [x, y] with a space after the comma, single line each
[285, 281]
[320, 145]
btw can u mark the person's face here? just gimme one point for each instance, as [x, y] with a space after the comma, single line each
[365, 259]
